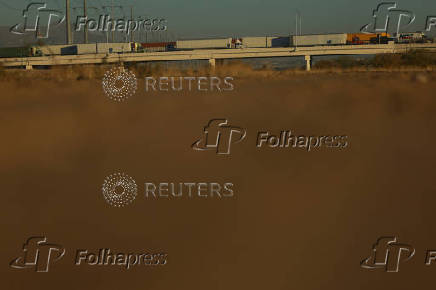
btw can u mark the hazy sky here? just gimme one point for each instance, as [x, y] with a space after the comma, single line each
[198, 18]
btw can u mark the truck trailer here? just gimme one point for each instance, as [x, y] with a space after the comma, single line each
[19, 51]
[204, 44]
[264, 42]
[319, 39]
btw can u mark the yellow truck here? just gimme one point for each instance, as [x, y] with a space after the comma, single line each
[367, 38]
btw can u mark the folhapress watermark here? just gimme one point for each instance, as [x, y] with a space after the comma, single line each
[387, 14]
[287, 139]
[104, 23]
[119, 190]
[430, 23]
[38, 19]
[219, 136]
[108, 257]
[388, 17]
[387, 255]
[119, 84]
[39, 255]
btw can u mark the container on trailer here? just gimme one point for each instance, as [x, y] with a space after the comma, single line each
[255, 42]
[204, 43]
[157, 46]
[67, 49]
[319, 39]
[114, 47]
[278, 41]
[87, 48]
[265, 42]
[15, 52]
[52, 49]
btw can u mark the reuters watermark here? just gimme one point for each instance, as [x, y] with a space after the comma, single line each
[119, 190]
[189, 190]
[201, 84]
[119, 84]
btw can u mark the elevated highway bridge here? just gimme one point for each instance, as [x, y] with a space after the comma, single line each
[212, 55]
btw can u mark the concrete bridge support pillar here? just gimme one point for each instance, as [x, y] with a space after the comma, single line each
[308, 59]
[212, 63]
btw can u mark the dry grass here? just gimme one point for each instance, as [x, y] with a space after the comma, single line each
[413, 59]
[236, 69]
[90, 72]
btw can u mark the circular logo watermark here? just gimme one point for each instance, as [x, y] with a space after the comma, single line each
[119, 189]
[119, 84]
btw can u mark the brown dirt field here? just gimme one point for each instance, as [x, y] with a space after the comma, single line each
[299, 220]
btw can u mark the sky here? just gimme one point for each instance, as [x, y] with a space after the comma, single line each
[236, 18]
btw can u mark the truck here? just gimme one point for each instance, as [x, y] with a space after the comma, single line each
[367, 38]
[319, 39]
[412, 37]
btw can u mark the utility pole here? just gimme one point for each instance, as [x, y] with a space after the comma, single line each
[113, 26]
[300, 24]
[296, 29]
[112, 17]
[86, 25]
[68, 19]
[296, 24]
[131, 19]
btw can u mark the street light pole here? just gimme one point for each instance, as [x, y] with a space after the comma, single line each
[86, 24]
[68, 19]
[112, 17]
[131, 19]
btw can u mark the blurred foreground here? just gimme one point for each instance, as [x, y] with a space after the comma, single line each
[300, 220]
